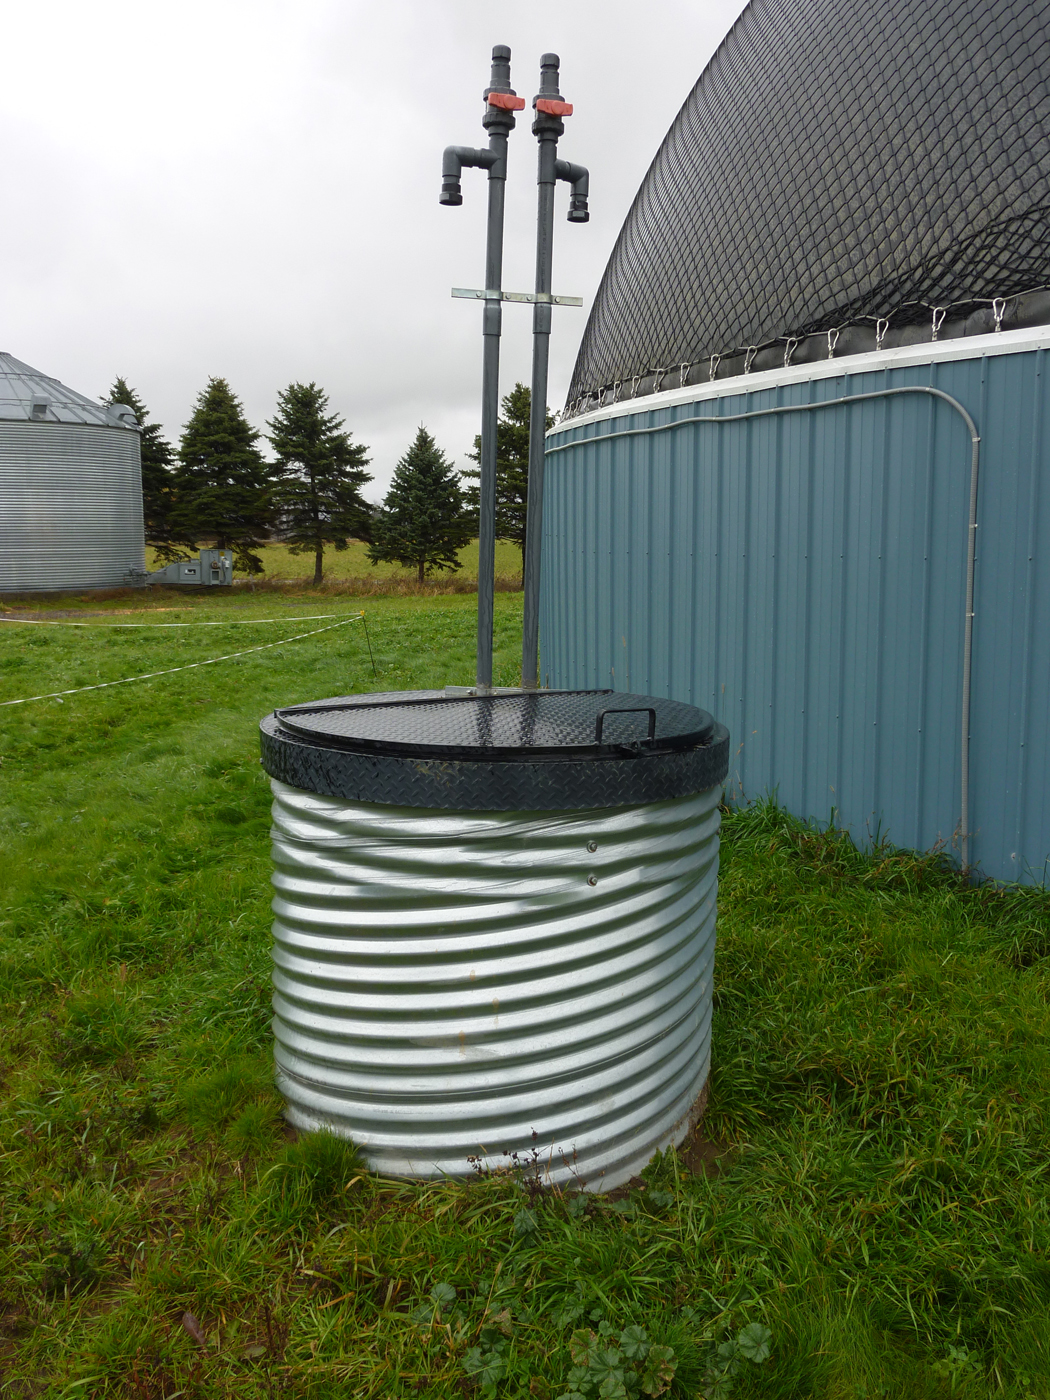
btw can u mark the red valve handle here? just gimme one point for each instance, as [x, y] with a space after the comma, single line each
[507, 102]
[552, 107]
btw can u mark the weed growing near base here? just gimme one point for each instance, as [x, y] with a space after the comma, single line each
[879, 1225]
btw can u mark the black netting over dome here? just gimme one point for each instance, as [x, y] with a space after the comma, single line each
[844, 175]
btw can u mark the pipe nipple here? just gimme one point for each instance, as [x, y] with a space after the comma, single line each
[549, 66]
[500, 78]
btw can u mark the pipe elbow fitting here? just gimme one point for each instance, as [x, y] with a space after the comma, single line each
[453, 160]
[578, 176]
[451, 169]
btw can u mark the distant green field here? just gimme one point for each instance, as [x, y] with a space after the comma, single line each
[352, 563]
[880, 1224]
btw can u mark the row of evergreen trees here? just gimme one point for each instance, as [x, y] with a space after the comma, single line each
[218, 486]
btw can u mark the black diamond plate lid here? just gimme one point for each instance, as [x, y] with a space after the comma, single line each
[522, 725]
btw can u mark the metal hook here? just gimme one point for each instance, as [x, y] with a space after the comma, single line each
[998, 307]
[749, 357]
[939, 313]
[715, 361]
[882, 325]
[789, 348]
[833, 340]
[683, 370]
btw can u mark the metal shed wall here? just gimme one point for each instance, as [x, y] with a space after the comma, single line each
[803, 578]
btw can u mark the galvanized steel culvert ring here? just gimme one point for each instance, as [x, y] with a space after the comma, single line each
[456, 979]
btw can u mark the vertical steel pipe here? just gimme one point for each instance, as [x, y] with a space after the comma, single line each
[500, 105]
[547, 127]
[499, 122]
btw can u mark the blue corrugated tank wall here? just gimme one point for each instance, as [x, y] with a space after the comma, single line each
[803, 578]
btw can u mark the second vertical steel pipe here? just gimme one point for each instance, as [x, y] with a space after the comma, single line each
[547, 127]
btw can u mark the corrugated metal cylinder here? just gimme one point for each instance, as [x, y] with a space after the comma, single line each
[459, 985]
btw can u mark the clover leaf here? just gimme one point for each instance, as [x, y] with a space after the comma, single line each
[634, 1343]
[525, 1223]
[604, 1365]
[613, 1388]
[488, 1367]
[582, 1346]
[753, 1342]
[660, 1366]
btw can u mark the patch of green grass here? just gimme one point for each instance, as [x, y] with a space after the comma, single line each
[353, 563]
[880, 1081]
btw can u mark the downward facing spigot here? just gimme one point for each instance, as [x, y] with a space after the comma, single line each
[550, 108]
[501, 103]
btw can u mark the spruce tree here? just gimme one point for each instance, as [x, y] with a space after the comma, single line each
[222, 483]
[157, 480]
[318, 497]
[512, 468]
[422, 523]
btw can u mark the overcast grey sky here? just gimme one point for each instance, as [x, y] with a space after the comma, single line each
[218, 187]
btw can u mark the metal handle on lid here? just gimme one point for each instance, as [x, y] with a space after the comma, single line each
[628, 710]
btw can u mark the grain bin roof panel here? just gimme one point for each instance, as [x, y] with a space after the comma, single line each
[27, 395]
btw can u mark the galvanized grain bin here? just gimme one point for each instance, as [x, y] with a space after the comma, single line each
[495, 925]
[70, 487]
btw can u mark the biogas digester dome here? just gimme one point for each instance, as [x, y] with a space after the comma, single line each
[803, 476]
[840, 167]
[70, 487]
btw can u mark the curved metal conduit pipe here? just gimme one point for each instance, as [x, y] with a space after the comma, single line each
[971, 533]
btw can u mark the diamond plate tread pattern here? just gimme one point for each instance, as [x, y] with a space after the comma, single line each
[479, 785]
[491, 726]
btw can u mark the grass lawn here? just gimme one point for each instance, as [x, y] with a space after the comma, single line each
[341, 566]
[879, 1224]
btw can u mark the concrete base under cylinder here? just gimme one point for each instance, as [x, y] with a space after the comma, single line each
[456, 987]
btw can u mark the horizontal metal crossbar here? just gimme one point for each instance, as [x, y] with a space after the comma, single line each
[492, 294]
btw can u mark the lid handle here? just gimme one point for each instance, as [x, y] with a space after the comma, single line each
[627, 710]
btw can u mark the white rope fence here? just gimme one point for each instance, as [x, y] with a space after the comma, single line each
[212, 661]
[230, 622]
